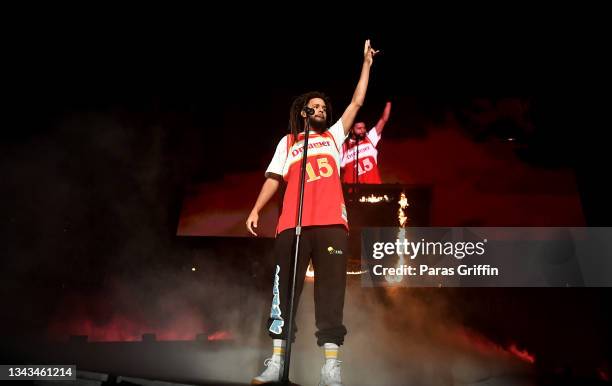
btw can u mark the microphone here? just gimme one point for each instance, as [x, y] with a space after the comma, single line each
[308, 110]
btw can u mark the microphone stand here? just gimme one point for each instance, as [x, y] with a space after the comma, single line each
[298, 232]
[356, 169]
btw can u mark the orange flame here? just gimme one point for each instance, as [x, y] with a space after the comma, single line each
[374, 199]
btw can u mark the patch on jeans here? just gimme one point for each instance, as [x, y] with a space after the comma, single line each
[275, 312]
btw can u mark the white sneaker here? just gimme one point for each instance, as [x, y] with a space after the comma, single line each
[330, 373]
[271, 373]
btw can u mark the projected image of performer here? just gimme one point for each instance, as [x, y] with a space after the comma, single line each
[359, 154]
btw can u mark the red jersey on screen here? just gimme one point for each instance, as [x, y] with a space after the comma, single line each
[365, 161]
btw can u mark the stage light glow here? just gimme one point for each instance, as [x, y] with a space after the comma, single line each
[310, 271]
[374, 199]
[521, 354]
[356, 272]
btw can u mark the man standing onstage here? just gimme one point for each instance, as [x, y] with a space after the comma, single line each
[324, 221]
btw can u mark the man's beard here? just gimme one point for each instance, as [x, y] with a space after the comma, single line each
[317, 125]
[356, 136]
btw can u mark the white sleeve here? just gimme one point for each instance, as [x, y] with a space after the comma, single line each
[343, 161]
[373, 136]
[337, 132]
[278, 160]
